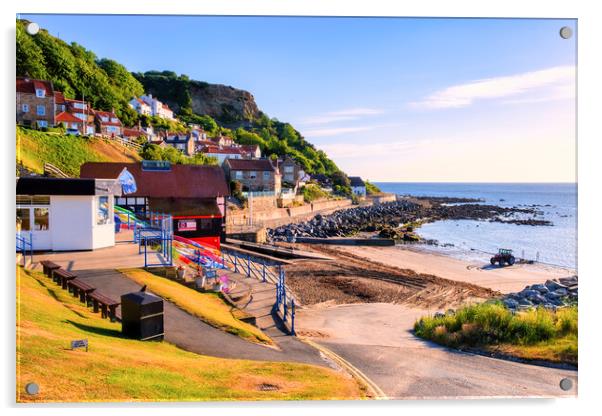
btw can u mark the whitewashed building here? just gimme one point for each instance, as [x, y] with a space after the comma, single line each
[157, 108]
[358, 187]
[64, 214]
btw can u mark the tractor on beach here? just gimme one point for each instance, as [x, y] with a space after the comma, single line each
[503, 257]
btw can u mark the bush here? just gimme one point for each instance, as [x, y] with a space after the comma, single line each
[372, 189]
[313, 192]
[491, 323]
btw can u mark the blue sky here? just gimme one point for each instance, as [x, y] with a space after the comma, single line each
[389, 99]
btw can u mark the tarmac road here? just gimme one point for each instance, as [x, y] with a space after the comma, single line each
[376, 339]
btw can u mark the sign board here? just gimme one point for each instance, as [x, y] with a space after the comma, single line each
[127, 181]
[79, 343]
[187, 225]
[156, 165]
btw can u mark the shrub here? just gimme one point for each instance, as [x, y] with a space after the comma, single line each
[491, 323]
[313, 192]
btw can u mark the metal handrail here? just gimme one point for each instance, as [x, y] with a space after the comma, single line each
[23, 248]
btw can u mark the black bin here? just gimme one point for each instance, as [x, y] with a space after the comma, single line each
[142, 316]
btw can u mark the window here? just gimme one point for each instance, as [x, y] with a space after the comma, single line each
[40, 219]
[102, 213]
[266, 175]
[121, 201]
[40, 93]
[79, 105]
[238, 174]
[23, 221]
[41, 110]
[33, 200]
[42, 123]
[114, 120]
[81, 116]
[105, 119]
[25, 108]
[252, 174]
[289, 169]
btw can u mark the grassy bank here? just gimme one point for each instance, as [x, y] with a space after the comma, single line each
[535, 334]
[119, 369]
[66, 152]
[206, 306]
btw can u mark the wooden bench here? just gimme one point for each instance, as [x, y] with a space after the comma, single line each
[62, 276]
[48, 267]
[80, 288]
[106, 305]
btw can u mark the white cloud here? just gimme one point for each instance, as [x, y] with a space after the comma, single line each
[342, 115]
[542, 85]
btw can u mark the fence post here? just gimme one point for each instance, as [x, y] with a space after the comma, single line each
[248, 265]
[263, 273]
[284, 302]
[145, 262]
[31, 247]
[293, 317]
[235, 262]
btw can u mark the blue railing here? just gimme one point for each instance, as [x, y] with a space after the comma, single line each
[266, 271]
[285, 303]
[25, 245]
[158, 229]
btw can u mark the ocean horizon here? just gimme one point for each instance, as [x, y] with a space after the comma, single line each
[476, 240]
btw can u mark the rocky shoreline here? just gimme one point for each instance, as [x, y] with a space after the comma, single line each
[398, 219]
[552, 294]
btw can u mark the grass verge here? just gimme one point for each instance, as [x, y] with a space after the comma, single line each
[209, 307]
[67, 153]
[120, 369]
[535, 334]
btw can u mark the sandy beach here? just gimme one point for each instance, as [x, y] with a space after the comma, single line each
[505, 280]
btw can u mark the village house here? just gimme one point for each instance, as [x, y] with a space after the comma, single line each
[222, 140]
[222, 153]
[358, 187]
[60, 104]
[108, 123]
[133, 134]
[182, 142]
[292, 172]
[141, 107]
[35, 102]
[157, 108]
[82, 110]
[72, 124]
[198, 133]
[193, 194]
[256, 175]
[251, 151]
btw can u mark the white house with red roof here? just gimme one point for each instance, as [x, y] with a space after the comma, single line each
[141, 107]
[70, 122]
[222, 153]
[157, 108]
[108, 123]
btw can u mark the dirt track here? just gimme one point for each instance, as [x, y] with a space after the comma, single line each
[349, 279]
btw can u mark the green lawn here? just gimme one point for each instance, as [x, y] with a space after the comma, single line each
[534, 334]
[66, 152]
[120, 369]
[208, 307]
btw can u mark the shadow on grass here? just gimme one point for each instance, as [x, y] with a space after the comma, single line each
[96, 330]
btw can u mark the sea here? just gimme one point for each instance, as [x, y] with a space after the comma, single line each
[477, 240]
